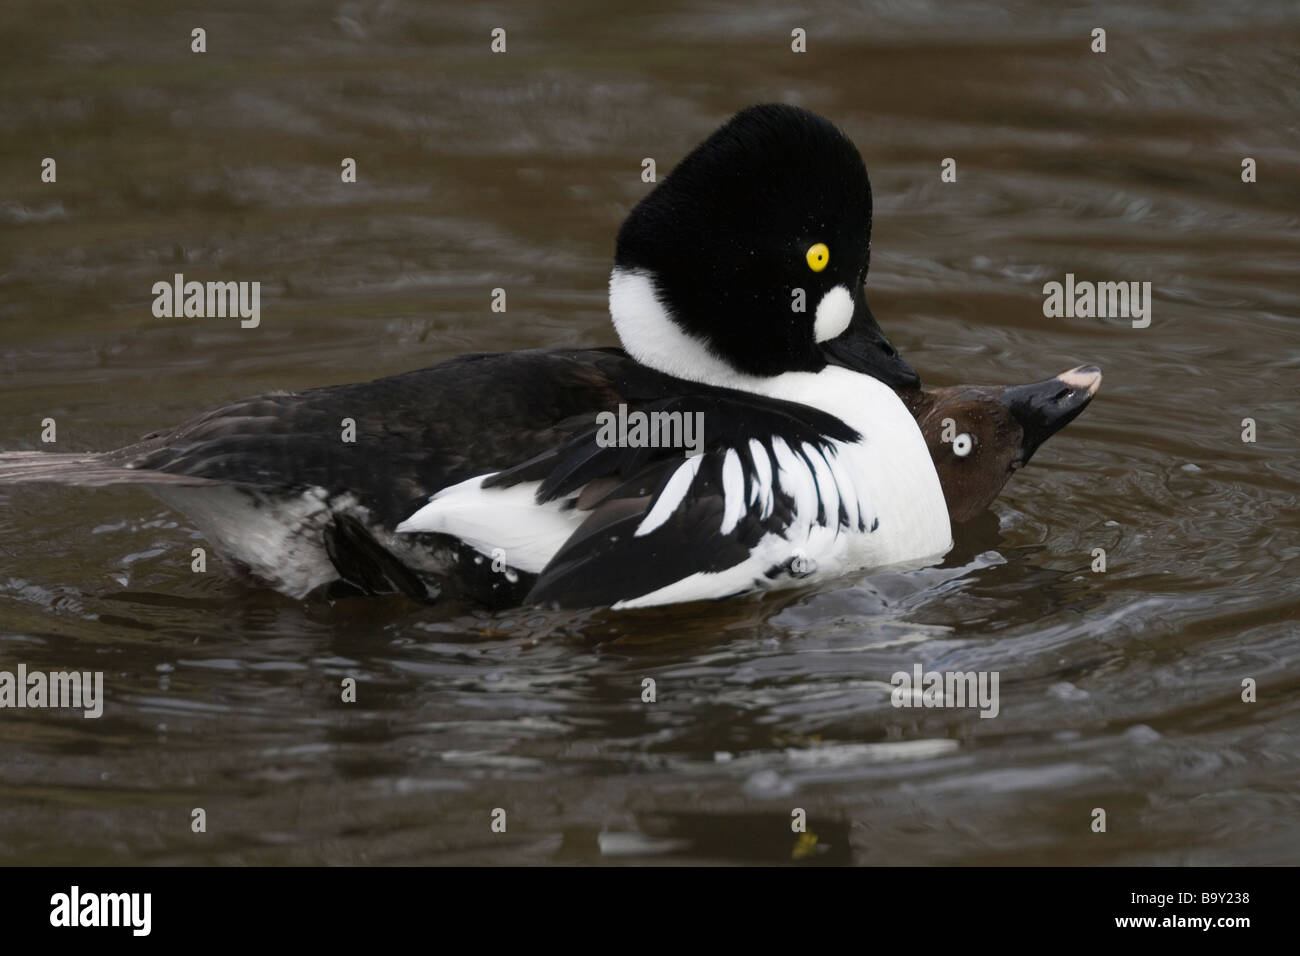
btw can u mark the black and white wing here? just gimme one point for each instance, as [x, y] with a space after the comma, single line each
[605, 524]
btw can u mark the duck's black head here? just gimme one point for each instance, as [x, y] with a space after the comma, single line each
[751, 255]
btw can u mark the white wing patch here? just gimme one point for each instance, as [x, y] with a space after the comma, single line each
[507, 518]
[733, 492]
[795, 479]
[673, 494]
[762, 484]
[811, 476]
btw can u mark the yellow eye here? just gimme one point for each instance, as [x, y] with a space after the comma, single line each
[818, 256]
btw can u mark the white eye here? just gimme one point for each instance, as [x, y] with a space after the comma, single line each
[962, 445]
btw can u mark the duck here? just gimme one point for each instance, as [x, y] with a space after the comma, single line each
[981, 435]
[737, 292]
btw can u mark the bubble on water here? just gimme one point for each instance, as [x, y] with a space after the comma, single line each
[637, 844]
[767, 783]
[1142, 734]
[1067, 691]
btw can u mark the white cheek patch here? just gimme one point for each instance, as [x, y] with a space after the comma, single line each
[651, 336]
[834, 312]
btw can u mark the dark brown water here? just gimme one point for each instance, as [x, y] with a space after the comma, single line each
[1119, 690]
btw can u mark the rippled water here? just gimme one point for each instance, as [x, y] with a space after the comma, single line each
[1119, 690]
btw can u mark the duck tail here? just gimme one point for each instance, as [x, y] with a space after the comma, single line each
[85, 469]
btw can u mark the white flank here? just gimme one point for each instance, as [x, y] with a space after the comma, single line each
[890, 470]
[848, 491]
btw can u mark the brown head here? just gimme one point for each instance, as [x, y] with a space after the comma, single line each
[979, 434]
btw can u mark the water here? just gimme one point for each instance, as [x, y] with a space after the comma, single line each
[1119, 690]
